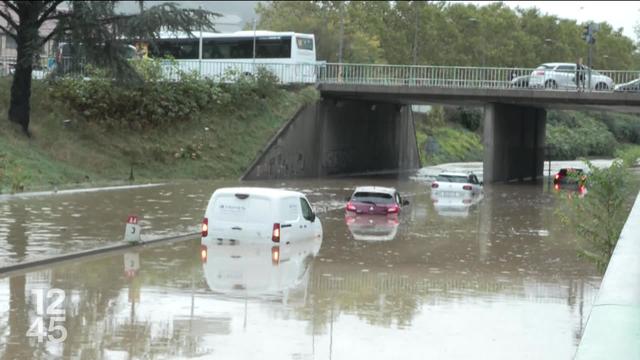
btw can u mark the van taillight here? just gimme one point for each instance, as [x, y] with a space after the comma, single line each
[203, 253]
[205, 227]
[434, 185]
[467, 187]
[275, 235]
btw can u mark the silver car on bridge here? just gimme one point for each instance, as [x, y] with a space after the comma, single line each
[563, 76]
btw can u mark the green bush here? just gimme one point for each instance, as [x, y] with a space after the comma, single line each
[469, 118]
[157, 99]
[625, 127]
[576, 137]
[599, 217]
[12, 174]
[449, 145]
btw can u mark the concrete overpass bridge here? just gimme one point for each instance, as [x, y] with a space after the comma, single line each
[363, 121]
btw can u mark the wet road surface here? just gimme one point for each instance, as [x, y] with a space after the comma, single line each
[494, 278]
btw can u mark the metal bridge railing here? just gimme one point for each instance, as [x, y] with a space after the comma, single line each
[471, 77]
[366, 74]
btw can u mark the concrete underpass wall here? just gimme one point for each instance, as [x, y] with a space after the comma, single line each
[513, 142]
[340, 137]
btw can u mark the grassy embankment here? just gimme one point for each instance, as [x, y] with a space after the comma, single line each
[570, 135]
[68, 149]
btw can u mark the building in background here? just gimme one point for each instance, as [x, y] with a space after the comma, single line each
[9, 51]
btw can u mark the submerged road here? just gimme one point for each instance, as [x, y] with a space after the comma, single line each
[494, 278]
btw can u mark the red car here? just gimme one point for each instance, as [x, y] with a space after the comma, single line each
[375, 200]
[570, 176]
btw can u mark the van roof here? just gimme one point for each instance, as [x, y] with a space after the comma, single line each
[261, 191]
[378, 189]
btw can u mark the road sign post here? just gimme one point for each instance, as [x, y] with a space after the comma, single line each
[132, 230]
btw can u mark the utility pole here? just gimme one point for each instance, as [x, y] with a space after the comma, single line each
[589, 62]
[200, 48]
[415, 39]
[341, 45]
[254, 46]
[589, 37]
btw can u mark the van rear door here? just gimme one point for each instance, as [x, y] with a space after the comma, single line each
[242, 217]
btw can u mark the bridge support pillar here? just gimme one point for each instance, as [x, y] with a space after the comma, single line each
[513, 142]
[340, 137]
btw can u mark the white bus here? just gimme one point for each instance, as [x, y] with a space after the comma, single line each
[290, 56]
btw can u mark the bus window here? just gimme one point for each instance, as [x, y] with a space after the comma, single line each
[176, 48]
[273, 48]
[304, 43]
[266, 48]
[227, 48]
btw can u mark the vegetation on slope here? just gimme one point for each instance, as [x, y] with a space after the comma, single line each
[97, 131]
[449, 134]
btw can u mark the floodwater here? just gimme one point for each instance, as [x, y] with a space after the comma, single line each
[495, 277]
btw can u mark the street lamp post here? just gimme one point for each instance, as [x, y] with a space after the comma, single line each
[477, 28]
[254, 47]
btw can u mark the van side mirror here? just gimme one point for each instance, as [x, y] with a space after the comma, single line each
[405, 202]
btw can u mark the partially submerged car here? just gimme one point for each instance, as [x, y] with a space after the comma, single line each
[570, 176]
[262, 215]
[455, 182]
[375, 200]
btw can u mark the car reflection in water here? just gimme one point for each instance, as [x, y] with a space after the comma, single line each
[455, 203]
[258, 270]
[372, 227]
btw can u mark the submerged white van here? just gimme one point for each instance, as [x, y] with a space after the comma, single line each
[261, 215]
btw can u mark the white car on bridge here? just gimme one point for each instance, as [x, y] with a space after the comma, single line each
[563, 76]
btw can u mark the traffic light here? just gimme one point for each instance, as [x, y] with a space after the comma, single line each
[586, 33]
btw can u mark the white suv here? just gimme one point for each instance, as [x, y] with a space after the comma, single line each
[563, 76]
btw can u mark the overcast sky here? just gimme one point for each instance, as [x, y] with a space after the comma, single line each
[620, 14]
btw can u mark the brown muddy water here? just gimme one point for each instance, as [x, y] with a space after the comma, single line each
[491, 278]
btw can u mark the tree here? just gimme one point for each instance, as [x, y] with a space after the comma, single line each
[324, 19]
[96, 25]
[444, 33]
[599, 217]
